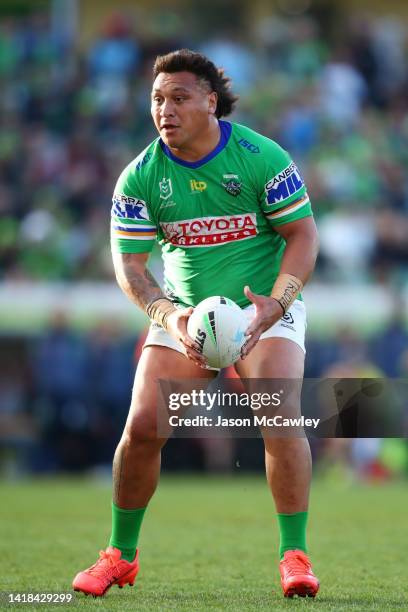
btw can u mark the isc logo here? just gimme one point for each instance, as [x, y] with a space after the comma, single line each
[248, 145]
[198, 185]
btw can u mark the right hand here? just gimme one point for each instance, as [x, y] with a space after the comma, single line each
[177, 328]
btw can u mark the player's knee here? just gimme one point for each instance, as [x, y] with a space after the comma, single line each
[141, 432]
[290, 445]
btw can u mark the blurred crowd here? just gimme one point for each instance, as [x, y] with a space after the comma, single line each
[71, 118]
[65, 397]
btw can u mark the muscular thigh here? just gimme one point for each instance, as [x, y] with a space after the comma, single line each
[273, 358]
[158, 363]
[275, 365]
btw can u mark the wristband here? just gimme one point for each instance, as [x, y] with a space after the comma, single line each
[286, 289]
[159, 309]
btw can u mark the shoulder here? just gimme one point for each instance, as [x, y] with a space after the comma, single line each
[261, 147]
[140, 166]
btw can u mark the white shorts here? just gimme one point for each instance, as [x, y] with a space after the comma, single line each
[291, 326]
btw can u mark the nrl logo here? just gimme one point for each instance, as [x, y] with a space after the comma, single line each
[166, 189]
[232, 184]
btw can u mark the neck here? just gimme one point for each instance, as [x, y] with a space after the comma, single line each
[200, 147]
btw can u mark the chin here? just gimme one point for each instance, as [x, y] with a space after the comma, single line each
[174, 143]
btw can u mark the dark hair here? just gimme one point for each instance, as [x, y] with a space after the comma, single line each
[204, 69]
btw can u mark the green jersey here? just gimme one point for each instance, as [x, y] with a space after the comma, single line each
[215, 219]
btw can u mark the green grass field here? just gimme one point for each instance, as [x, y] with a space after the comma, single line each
[209, 544]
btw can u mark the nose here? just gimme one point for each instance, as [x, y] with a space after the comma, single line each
[167, 109]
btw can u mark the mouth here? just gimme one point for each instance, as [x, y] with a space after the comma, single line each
[168, 128]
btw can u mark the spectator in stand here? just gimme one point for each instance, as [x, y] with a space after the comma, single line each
[391, 344]
[110, 379]
[60, 365]
[342, 90]
[116, 53]
[238, 60]
[70, 118]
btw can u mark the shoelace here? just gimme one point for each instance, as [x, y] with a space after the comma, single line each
[104, 567]
[296, 564]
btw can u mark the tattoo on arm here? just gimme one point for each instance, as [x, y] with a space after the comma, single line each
[136, 281]
[150, 279]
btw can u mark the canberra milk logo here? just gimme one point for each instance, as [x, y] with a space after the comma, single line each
[283, 184]
[127, 207]
[209, 231]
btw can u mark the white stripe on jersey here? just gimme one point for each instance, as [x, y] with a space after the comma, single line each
[288, 211]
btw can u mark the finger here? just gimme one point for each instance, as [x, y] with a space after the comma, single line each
[252, 327]
[194, 354]
[196, 359]
[250, 344]
[187, 341]
[249, 294]
[187, 312]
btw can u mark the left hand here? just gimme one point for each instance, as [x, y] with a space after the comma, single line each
[177, 328]
[267, 312]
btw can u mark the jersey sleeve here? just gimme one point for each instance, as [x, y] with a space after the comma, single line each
[284, 196]
[132, 230]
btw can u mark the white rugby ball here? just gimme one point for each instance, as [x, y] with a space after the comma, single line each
[218, 326]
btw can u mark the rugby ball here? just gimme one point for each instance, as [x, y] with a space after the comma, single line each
[218, 327]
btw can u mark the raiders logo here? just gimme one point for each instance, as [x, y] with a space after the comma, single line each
[232, 184]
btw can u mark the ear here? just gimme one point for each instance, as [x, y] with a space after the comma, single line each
[212, 103]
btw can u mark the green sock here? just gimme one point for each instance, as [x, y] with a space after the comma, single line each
[125, 530]
[292, 529]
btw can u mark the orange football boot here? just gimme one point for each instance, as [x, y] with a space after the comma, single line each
[110, 569]
[297, 577]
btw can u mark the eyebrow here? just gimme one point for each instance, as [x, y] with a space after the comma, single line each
[158, 90]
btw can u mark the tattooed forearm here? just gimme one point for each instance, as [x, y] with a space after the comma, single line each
[135, 279]
[150, 278]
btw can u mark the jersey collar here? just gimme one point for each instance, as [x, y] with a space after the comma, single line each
[225, 128]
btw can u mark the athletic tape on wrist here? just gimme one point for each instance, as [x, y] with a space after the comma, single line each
[286, 289]
[159, 309]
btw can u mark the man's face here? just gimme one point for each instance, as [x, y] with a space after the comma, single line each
[181, 107]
